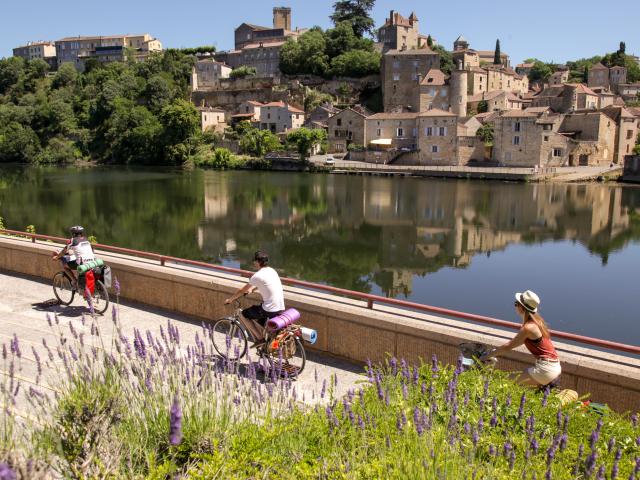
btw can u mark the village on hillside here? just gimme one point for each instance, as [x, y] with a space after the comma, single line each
[426, 105]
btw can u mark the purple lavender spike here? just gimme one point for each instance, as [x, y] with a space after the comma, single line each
[175, 422]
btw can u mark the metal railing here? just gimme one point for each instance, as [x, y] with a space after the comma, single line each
[166, 260]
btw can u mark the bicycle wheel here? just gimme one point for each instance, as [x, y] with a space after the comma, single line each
[229, 339]
[100, 298]
[290, 358]
[63, 288]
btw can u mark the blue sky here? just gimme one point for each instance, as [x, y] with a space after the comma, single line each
[552, 30]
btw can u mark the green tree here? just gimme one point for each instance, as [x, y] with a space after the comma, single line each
[357, 13]
[540, 72]
[66, 76]
[181, 123]
[636, 149]
[446, 59]
[306, 55]
[18, 143]
[243, 71]
[483, 106]
[356, 63]
[342, 39]
[59, 150]
[429, 41]
[497, 57]
[485, 133]
[159, 92]
[11, 71]
[258, 143]
[314, 98]
[304, 139]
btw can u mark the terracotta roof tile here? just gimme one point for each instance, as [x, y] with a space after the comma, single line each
[436, 112]
[394, 116]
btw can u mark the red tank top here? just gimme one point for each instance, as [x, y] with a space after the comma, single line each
[541, 348]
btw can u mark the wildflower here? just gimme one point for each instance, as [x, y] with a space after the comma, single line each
[434, 364]
[578, 460]
[475, 437]
[49, 321]
[593, 439]
[523, 400]
[116, 286]
[405, 392]
[415, 376]
[614, 470]
[634, 419]
[611, 444]
[507, 400]
[590, 463]
[492, 450]
[175, 422]
[324, 388]
[534, 446]
[37, 357]
[563, 441]
[4, 351]
[15, 346]
[6, 472]
[545, 396]
[394, 366]
[600, 473]
[494, 421]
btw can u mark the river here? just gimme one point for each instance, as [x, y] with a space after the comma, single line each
[465, 245]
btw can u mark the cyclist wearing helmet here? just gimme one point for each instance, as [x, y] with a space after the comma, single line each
[77, 251]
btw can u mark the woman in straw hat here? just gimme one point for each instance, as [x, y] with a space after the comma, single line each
[534, 334]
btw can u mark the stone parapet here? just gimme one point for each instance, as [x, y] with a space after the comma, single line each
[346, 327]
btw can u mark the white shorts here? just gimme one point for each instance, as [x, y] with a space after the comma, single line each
[544, 371]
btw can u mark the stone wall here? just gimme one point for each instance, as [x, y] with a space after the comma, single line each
[346, 328]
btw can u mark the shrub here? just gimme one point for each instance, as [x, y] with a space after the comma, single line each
[242, 72]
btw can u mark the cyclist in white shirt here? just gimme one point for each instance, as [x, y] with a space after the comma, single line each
[267, 282]
[77, 251]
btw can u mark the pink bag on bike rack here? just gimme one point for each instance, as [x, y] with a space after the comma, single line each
[283, 320]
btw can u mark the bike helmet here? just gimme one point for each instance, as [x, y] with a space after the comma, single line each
[77, 230]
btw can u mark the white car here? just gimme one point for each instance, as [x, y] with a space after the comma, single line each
[329, 161]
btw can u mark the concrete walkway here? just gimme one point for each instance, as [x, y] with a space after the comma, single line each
[25, 302]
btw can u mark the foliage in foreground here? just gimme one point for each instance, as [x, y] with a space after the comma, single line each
[154, 406]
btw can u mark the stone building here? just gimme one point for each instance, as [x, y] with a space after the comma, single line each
[392, 130]
[611, 78]
[259, 47]
[567, 98]
[629, 91]
[592, 138]
[400, 33]
[319, 116]
[627, 129]
[496, 100]
[475, 58]
[402, 72]
[207, 73]
[280, 117]
[525, 138]
[558, 78]
[347, 127]
[78, 50]
[212, 119]
[432, 91]
[248, 111]
[437, 138]
[33, 50]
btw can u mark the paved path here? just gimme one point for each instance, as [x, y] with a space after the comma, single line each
[25, 302]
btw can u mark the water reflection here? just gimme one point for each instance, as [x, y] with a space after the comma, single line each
[355, 232]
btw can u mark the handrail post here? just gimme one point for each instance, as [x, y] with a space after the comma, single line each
[162, 261]
[33, 239]
[370, 303]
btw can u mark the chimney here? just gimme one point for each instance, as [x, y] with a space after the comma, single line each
[391, 17]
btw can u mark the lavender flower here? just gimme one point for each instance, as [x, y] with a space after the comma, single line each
[15, 346]
[590, 463]
[523, 400]
[634, 419]
[600, 473]
[175, 422]
[116, 286]
[434, 364]
[6, 472]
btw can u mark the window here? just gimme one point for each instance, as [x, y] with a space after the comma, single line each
[268, 115]
[396, 77]
[414, 132]
[546, 138]
[629, 134]
[507, 156]
[516, 125]
[339, 122]
[516, 140]
[428, 131]
[557, 152]
[400, 132]
[546, 127]
[443, 131]
[396, 64]
[378, 132]
[434, 148]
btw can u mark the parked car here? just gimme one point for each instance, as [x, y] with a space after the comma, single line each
[329, 161]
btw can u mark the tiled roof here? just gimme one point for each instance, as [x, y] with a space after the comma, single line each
[436, 112]
[486, 95]
[263, 45]
[416, 51]
[211, 109]
[486, 117]
[538, 109]
[394, 116]
[599, 66]
[491, 52]
[434, 76]
[634, 111]
[519, 114]
[254, 103]
[582, 88]
[526, 65]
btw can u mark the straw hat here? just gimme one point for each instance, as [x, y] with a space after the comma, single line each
[529, 300]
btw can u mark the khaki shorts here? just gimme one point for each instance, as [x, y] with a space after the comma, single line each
[544, 371]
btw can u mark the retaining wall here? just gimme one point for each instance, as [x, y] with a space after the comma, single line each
[346, 328]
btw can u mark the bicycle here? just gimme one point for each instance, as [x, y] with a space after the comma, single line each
[283, 349]
[65, 288]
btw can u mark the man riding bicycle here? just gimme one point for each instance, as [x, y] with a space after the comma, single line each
[77, 251]
[267, 282]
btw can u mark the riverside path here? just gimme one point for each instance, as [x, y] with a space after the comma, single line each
[25, 303]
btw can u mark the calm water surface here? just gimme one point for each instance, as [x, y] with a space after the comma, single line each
[457, 244]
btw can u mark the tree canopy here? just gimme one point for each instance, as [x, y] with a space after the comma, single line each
[130, 112]
[355, 12]
[332, 53]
